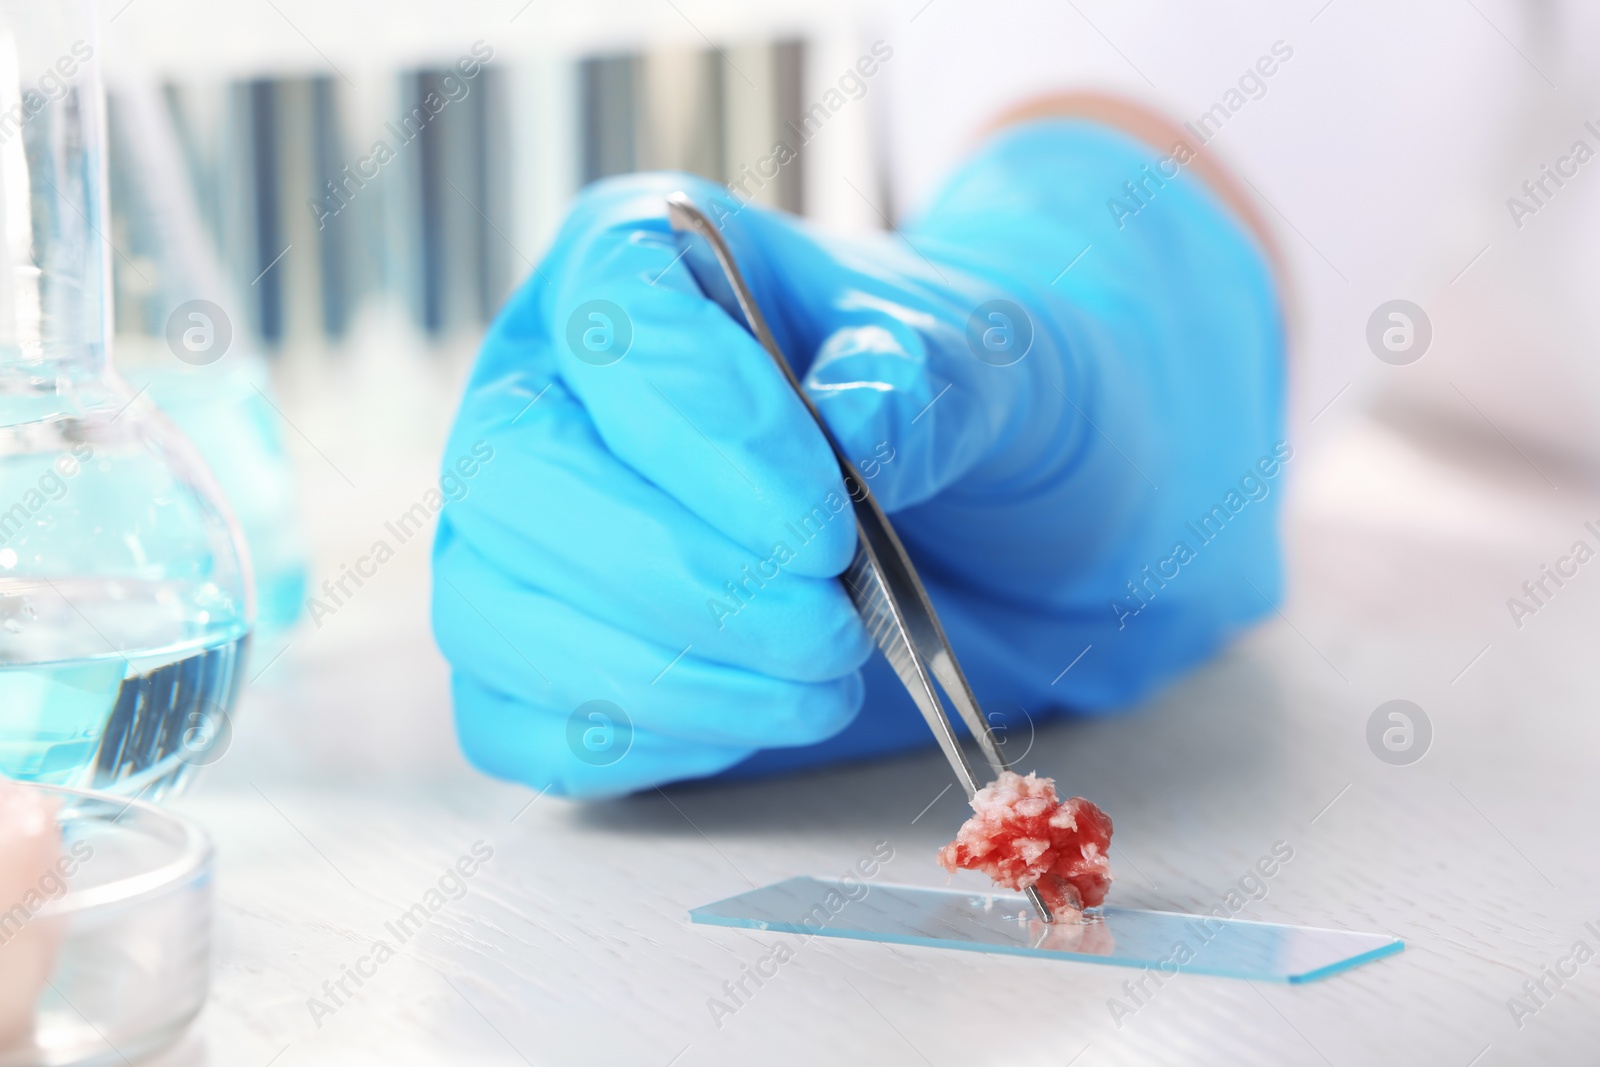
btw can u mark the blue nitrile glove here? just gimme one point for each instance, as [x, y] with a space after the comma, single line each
[1083, 462]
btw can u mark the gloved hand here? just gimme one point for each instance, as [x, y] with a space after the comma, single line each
[1072, 414]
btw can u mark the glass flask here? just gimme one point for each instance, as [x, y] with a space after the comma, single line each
[125, 594]
[176, 340]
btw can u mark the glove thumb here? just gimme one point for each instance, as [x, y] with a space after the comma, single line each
[926, 381]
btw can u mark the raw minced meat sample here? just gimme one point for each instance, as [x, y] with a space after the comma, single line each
[1021, 833]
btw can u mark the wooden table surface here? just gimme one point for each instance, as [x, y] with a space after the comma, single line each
[342, 802]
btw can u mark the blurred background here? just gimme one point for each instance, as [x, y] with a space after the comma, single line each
[359, 189]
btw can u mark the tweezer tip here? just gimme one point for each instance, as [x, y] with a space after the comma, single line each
[1045, 914]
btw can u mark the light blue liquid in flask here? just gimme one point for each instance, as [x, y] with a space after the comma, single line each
[125, 601]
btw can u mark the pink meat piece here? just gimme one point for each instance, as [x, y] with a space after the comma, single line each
[1021, 833]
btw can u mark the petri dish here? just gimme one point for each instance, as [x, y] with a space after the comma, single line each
[130, 934]
[1169, 943]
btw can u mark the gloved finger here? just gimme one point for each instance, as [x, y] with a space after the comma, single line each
[916, 400]
[556, 510]
[518, 639]
[590, 755]
[677, 390]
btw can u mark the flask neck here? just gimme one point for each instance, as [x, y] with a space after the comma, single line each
[38, 360]
[55, 253]
[41, 387]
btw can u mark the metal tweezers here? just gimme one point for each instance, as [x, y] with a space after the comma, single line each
[881, 581]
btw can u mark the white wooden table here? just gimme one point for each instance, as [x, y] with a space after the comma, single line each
[342, 801]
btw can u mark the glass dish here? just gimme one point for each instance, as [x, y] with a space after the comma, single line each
[1166, 942]
[131, 934]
